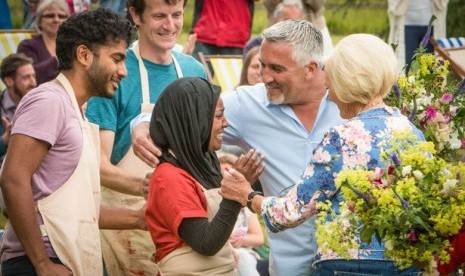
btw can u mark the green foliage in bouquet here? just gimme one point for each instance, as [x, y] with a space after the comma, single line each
[413, 205]
[432, 101]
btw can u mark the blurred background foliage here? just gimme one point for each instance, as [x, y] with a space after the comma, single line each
[343, 17]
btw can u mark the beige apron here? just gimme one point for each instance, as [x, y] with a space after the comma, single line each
[129, 252]
[185, 261]
[70, 214]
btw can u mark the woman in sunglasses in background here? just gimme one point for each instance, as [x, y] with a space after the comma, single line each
[41, 47]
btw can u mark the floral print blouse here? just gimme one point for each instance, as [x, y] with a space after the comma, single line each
[357, 142]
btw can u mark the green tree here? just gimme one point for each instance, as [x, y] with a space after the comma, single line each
[455, 18]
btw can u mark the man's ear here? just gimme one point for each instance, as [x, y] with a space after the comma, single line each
[84, 55]
[135, 17]
[9, 81]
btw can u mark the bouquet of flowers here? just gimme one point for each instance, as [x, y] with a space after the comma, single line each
[413, 205]
[432, 101]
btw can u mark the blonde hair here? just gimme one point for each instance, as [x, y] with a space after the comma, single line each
[361, 68]
[61, 4]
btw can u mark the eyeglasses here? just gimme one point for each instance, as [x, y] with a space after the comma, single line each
[53, 15]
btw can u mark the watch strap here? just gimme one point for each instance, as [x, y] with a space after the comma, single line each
[250, 198]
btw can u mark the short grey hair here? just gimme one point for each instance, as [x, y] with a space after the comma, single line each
[279, 8]
[61, 4]
[306, 40]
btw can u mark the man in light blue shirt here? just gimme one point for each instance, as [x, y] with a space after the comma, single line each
[277, 132]
[284, 118]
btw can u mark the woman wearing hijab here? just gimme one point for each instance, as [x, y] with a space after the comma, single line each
[189, 222]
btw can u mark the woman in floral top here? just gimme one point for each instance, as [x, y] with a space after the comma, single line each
[359, 74]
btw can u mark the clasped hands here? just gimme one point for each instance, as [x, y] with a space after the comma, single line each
[237, 182]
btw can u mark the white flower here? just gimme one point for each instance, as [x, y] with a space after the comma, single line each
[455, 142]
[418, 174]
[406, 170]
[449, 185]
[453, 110]
[411, 79]
[446, 172]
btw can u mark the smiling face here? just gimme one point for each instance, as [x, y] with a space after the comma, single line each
[160, 24]
[107, 69]
[218, 126]
[24, 80]
[284, 78]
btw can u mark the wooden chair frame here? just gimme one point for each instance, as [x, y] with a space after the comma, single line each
[206, 61]
[455, 56]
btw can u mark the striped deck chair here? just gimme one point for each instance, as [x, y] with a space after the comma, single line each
[9, 40]
[226, 69]
[453, 50]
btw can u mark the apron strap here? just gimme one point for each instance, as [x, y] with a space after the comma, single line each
[144, 79]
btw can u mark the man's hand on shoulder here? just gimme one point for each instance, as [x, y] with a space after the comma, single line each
[143, 146]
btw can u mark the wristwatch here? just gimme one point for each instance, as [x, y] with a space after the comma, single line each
[250, 198]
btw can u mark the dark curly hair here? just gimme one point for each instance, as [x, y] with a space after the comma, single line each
[92, 29]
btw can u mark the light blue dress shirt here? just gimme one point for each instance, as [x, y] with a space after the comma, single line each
[276, 131]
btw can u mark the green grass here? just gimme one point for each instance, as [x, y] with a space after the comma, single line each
[341, 21]
[16, 9]
[358, 20]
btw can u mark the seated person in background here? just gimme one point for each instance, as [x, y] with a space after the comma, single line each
[188, 220]
[247, 232]
[287, 9]
[17, 73]
[314, 11]
[250, 74]
[41, 48]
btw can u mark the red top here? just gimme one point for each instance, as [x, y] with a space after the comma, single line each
[457, 256]
[223, 23]
[173, 196]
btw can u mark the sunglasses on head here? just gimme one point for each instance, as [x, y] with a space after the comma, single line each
[53, 15]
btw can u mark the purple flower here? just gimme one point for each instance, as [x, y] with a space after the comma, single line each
[396, 89]
[404, 203]
[425, 40]
[446, 98]
[365, 197]
[395, 159]
[412, 236]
